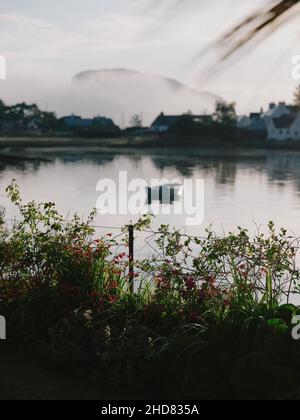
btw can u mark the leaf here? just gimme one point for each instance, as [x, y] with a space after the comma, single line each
[278, 326]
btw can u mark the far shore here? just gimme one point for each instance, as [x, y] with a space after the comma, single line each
[142, 142]
[47, 141]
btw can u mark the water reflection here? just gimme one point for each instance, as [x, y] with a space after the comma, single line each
[241, 186]
[224, 166]
[279, 166]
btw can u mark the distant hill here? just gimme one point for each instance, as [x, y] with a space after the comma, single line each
[120, 93]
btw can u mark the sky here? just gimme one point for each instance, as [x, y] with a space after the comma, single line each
[46, 43]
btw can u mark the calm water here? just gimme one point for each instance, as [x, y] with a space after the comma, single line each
[246, 188]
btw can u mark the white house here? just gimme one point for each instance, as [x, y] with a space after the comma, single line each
[243, 123]
[277, 111]
[255, 122]
[283, 122]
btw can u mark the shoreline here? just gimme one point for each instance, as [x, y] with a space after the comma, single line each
[11, 147]
[144, 143]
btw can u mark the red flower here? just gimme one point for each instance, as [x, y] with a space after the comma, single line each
[211, 280]
[94, 294]
[190, 283]
[162, 282]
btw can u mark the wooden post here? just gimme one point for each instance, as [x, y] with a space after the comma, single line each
[131, 258]
[149, 194]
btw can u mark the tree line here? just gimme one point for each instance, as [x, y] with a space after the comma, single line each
[21, 115]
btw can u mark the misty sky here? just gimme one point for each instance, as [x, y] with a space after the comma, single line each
[47, 42]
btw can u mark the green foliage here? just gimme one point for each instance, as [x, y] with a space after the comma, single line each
[185, 125]
[136, 121]
[211, 317]
[18, 116]
[225, 114]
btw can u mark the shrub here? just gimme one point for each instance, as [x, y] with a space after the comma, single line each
[211, 317]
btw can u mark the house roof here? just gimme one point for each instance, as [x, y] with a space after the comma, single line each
[285, 122]
[293, 108]
[165, 120]
[202, 118]
[103, 121]
[74, 121]
[255, 115]
[169, 120]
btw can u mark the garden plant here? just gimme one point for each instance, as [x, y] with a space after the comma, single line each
[210, 318]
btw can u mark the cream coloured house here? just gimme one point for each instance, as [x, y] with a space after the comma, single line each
[282, 122]
[284, 128]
